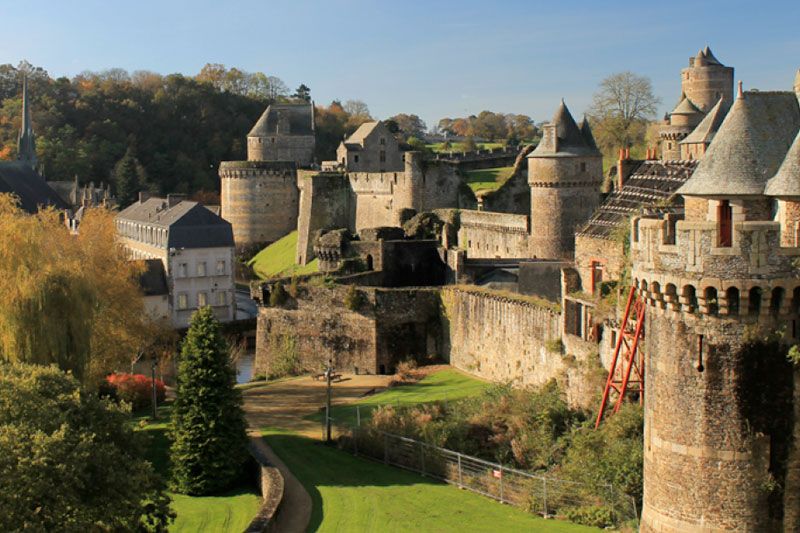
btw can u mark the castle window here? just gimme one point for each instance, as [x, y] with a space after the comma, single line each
[355, 159]
[201, 269]
[221, 266]
[725, 224]
[583, 167]
[273, 140]
[183, 270]
[383, 141]
[732, 295]
[754, 303]
[202, 299]
[711, 300]
[383, 156]
[183, 301]
[776, 302]
[221, 298]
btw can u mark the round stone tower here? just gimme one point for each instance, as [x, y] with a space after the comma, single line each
[723, 299]
[565, 173]
[706, 80]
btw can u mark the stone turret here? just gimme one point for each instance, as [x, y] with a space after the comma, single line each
[565, 173]
[718, 408]
[26, 141]
[284, 132]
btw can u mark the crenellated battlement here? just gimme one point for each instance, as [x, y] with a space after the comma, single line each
[679, 266]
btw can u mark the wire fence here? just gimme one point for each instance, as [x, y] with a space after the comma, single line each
[541, 494]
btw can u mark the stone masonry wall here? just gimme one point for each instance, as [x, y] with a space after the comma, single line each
[493, 235]
[325, 203]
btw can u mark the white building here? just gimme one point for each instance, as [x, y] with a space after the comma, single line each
[194, 244]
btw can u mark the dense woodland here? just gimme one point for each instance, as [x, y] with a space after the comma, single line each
[174, 129]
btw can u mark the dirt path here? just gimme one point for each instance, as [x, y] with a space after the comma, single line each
[284, 405]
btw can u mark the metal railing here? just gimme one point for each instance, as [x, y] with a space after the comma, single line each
[537, 493]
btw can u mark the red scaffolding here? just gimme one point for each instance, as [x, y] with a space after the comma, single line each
[626, 374]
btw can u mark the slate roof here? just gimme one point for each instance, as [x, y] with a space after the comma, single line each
[190, 224]
[17, 177]
[361, 133]
[749, 147]
[300, 116]
[708, 127]
[685, 107]
[787, 181]
[705, 56]
[652, 183]
[586, 132]
[571, 140]
[153, 280]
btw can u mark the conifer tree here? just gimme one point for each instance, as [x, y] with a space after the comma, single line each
[129, 178]
[209, 442]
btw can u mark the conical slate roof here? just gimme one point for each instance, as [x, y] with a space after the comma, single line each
[586, 133]
[709, 126]
[709, 56]
[787, 181]
[749, 146]
[685, 107]
[299, 117]
[570, 141]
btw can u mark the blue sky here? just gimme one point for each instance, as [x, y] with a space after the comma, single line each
[433, 58]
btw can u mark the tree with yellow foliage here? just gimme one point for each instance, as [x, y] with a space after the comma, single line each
[70, 300]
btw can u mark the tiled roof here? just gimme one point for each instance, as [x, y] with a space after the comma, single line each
[300, 118]
[17, 177]
[749, 147]
[190, 224]
[653, 183]
[708, 127]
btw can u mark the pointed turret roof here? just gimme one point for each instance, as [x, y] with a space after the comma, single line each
[26, 142]
[586, 133]
[685, 107]
[709, 126]
[787, 181]
[299, 117]
[749, 147]
[569, 137]
[709, 56]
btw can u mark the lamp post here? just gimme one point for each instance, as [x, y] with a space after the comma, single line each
[153, 366]
[328, 374]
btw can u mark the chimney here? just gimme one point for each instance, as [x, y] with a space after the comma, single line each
[175, 199]
[625, 167]
[144, 196]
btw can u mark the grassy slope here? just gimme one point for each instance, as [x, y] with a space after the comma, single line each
[352, 494]
[278, 259]
[489, 178]
[448, 384]
[231, 511]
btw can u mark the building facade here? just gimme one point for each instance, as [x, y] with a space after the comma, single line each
[371, 148]
[196, 248]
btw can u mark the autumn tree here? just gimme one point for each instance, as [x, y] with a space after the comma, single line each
[69, 300]
[621, 109]
[410, 125]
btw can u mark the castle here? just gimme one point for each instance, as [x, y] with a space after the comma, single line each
[707, 228]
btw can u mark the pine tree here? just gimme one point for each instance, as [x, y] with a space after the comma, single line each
[129, 178]
[209, 441]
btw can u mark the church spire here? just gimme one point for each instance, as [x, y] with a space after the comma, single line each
[26, 142]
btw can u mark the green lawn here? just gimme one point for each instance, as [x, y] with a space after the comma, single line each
[459, 147]
[352, 494]
[231, 511]
[489, 178]
[277, 259]
[448, 384]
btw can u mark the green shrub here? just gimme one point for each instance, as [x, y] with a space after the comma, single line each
[278, 295]
[285, 357]
[209, 443]
[554, 345]
[591, 515]
[353, 298]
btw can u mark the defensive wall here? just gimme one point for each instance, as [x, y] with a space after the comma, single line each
[484, 234]
[501, 337]
[480, 159]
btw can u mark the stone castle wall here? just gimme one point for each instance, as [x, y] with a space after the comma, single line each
[259, 199]
[608, 253]
[326, 202]
[296, 148]
[493, 235]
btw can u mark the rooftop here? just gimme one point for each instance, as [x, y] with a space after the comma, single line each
[570, 139]
[285, 119]
[17, 177]
[708, 127]
[749, 147]
[787, 181]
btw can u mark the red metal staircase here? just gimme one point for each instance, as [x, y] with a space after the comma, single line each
[626, 374]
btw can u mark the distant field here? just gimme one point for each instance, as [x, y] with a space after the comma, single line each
[459, 147]
[277, 259]
[352, 494]
[489, 178]
[231, 511]
[448, 384]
